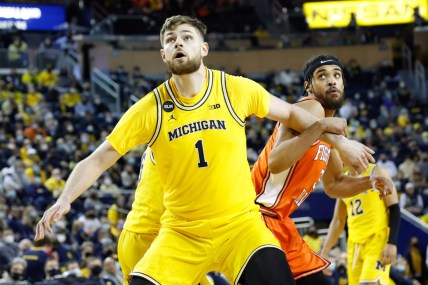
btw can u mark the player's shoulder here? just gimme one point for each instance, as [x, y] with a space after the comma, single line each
[311, 105]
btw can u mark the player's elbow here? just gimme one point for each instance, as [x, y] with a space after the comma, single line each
[331, 192]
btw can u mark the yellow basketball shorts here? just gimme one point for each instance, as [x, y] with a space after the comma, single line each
[184, 251]
[131, 248]
[364, 260]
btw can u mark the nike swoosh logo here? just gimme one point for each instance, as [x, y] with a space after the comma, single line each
[325, 61]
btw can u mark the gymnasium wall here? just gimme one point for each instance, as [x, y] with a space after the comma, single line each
[104, 57]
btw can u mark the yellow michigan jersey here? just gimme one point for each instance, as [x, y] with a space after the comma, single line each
[199, 143]
[147, 207]
[367, 214]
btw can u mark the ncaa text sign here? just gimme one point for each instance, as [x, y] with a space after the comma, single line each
[368, 13]
[31, 16]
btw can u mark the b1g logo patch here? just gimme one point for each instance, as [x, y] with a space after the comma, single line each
[168, 106]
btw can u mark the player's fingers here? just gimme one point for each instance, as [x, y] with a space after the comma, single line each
[370, 158]
[40, 232]
[369, 150]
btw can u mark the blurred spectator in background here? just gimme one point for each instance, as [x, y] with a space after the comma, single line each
[400, 272]
[313, 239]
[72, 269]
[14, 180]
[414, 257]
[55, 183]
[8, 247]
[15, 272]
[36, 258]
[411, 200]
[407, 168]
[17, 52]
[47, 78]
[388, 165]
[110, 271]
[52, 269]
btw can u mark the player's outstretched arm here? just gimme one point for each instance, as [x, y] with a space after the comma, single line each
[81, 178]
[356, 155]
[336, 227]
[339, 185]
[281, 158]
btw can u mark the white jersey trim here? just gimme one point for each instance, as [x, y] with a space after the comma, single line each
[226, 99]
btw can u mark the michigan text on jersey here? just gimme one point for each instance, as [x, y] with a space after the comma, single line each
[196, 127]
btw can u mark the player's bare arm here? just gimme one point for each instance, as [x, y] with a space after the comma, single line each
[336, 227]
[81, 178]
[389, 253]
[281, 158]
[339, 185]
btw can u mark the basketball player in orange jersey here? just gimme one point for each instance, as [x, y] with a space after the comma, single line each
[291, 165]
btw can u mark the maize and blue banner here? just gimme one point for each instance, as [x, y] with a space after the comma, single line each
[32, 17]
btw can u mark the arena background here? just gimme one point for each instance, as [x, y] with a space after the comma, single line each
[105, 55]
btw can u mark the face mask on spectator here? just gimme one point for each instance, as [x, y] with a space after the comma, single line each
[11, 194]
[32, 214]
[96, 270]
[106, 240]
[16, 276]
[105, 227]
[61, 238]
[401, 268]
[2, 215]
[74, 272]
[53, 272]
[9, 239]
[61, 224]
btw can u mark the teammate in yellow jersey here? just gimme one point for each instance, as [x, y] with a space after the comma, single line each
[194, 124]
[372, 232]
[143, 221]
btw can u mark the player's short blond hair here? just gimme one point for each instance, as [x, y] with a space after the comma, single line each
[174, 21]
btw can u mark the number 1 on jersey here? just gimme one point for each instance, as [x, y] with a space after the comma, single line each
[200, 147]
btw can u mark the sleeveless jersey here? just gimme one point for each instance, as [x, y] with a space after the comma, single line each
[367, 214]
[282, 193]
[147, 207]
[199, 143]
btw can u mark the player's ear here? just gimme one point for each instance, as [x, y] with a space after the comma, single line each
[204, 49]
[308, 87]
[162, 52]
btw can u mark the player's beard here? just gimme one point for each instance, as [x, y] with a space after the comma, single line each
[332, 103]
[188, 67]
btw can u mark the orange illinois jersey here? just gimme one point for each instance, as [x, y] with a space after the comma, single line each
[280, 194]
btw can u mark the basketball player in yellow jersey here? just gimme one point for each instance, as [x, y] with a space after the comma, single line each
[143, 221]
[195, 125]
[372, 232]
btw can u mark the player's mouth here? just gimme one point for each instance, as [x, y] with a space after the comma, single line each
[333, 90]
[179, 55]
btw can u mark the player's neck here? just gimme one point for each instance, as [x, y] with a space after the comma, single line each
[329, 113]
[189, 85]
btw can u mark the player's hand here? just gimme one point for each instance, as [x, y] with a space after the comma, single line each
[381, 184]
[355, 155]
[51, 215]
[333, 125]
[389, 254]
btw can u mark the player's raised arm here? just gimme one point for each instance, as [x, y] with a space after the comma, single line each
[81, 178]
